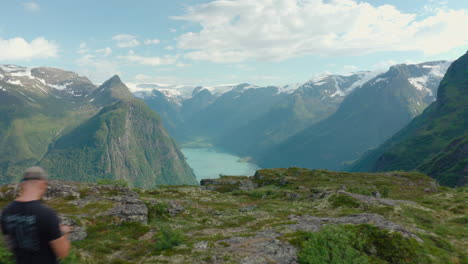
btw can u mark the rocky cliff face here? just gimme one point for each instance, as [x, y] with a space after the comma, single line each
[267, 218]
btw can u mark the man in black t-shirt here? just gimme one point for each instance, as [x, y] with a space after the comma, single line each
[32, 229]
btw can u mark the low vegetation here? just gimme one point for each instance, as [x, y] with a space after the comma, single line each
[190, 224]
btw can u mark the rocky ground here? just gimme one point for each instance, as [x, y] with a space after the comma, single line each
[259, 219]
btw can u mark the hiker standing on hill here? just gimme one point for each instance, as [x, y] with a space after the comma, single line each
[32, 230]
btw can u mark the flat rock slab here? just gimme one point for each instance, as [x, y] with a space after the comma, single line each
[263, 248]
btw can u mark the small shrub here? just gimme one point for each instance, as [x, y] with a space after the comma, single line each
[358, 190]
[341, 200]
[360, 244]
[332, 245]
[168, 238]
[157, 211]
[384, 191]
[460, 220]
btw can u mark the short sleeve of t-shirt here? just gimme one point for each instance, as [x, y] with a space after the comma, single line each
[51, 226]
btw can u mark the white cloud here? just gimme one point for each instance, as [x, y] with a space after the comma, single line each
[150, 61]
[172, 30]
[139, 78]
[126, 41]
[20, 49]
[384, 65]
[169, 48]
[264, 77]
[105, 51]
[83, 48]
[236, 31]
[97, 69]
[31, 6]
[434, 6]
[349, 68]
[152, 41]
[183, 65]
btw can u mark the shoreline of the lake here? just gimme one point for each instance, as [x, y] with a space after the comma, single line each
[209, 163]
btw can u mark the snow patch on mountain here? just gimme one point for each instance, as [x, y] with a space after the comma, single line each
[338, 91]
[365, 77]
[60, 86]
[420, 83]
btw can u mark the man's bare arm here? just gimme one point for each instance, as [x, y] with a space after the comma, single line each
[61, 246]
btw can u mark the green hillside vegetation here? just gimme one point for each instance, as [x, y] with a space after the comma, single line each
[434, 142]
[27, 127]
[273, 221]
[103, 134]
[143, 154]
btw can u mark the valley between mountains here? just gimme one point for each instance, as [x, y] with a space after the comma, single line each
[119, 177]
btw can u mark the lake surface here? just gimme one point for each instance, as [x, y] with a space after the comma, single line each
[208, 163]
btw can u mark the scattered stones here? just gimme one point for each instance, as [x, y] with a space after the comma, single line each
[201, 245]
[292, 196]
[128, 209]
[319, 194]
[264, 247]
[247, 208]
[375, 200]
[62, 189]
[263, 178]
[175, 209]
[115, 190]
[227, 184]
[78, 233]
[314, 224]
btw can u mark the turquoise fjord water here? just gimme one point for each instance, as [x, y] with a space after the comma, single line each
[210, 163]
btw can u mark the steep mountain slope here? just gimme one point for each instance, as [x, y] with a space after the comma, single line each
[436, 141]
[124, 141]
[366, 118]
[33, 113]
[42, 107]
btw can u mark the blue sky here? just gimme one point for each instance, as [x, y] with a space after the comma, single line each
[263, 42]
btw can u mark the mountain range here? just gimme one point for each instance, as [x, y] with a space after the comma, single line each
[436, 142]
[80, 131]
[327, 122]
[63, 122]
[366, 118]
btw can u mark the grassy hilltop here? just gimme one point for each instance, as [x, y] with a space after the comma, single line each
[277, 216]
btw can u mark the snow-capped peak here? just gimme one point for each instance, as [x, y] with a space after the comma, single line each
[45, 80]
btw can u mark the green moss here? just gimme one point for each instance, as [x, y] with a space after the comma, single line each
[341, 200]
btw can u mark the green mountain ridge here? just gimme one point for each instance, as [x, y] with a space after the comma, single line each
[124, 141]
[83, 132]
[434, 142]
